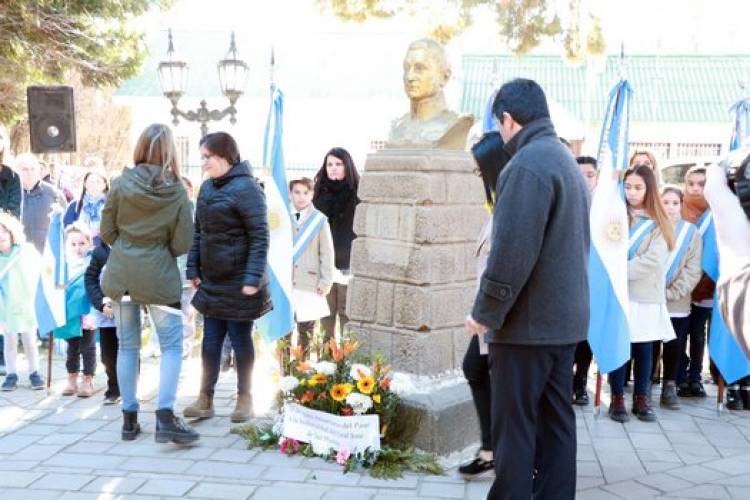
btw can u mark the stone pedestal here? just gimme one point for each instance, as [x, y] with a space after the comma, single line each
[414, 281]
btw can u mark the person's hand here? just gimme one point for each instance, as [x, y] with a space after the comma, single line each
[249, 290]
[196, 282]
[473, 327]
[108, 312]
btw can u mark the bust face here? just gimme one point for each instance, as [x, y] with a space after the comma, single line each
[424, 74]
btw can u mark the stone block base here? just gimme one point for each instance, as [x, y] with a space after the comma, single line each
[442, 421]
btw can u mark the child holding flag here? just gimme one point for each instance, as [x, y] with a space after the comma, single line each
[651, 240]
[682, 274]
[79, 332]
[313, 257]
[19, 264]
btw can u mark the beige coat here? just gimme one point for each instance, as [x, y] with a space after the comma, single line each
[314, 269]
[687, 276]
[646, 282]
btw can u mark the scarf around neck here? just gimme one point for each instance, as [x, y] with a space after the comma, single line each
[693, 207]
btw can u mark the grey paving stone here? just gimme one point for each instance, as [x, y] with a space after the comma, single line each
[114, 485]
[588, 469]
[738, 492]
[729, 466]
[88, 447]
[595, 494]
[25, 494]
[65, 482]
[35, 429]
[337, 478]
[232, 455]
[18, 465]
[664, 482]
[37, 452]
[294, 474]
[225, 469]
[168, 465]
[697, 474]
[351, 494]
[85, 460]
[442, 490]
[290, 492]
[166, 487]
[583, 483]
[64, 439]
[277, 458]
[18, 479]
[706, 491]
[614, 473]
[476, 490]
[406, 482]
[221, 490]
[631, 489]
[14, 443]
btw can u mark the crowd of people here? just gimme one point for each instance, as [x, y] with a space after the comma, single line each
[140, 244]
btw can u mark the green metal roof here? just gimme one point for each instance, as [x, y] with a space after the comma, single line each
[674, 88]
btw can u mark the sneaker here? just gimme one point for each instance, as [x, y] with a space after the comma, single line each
[10, 383]
[697, 390]
[37, 382]
[476, 468]
[617, 410]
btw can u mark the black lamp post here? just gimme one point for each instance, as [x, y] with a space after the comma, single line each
[173, 76]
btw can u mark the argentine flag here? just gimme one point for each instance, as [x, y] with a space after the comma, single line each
[280, 320]
[49, 300]
[609, 334]
[726, 354]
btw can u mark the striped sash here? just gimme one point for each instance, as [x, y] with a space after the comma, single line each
[638, 232]
[307, 233]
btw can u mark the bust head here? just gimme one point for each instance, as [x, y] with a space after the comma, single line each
[426, 70]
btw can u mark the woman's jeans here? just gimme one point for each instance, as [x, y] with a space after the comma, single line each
[167, 324]
[240, 335]
[477, 372]
[641, 356]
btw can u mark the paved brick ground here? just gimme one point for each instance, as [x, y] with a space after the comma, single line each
[62, 447]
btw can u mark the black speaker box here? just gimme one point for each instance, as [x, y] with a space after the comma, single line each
[52, 120]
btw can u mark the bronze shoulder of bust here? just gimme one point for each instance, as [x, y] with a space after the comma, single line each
[429, 124]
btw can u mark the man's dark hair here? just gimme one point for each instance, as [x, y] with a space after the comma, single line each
[523, 99]
[590, 160]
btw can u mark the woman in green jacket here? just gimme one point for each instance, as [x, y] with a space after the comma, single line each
[148, 222]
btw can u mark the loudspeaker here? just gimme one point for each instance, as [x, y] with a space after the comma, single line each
[52, 120]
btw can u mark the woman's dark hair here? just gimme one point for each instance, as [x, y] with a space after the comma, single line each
[222, 145]
[491, 158]
[79, 205]
[522, 99]
[351, 176]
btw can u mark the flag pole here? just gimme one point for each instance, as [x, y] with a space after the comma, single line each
[720, 396]
[598, 394]
[50, 348]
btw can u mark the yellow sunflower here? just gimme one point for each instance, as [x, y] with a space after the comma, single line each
[376, 398]
[365, 384]
[318, 378]
[339, 392]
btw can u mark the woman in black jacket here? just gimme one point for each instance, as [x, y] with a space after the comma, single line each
[227, 265]
[336, 185]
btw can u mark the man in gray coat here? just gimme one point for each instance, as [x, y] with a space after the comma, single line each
[38, 200]
[533, 300]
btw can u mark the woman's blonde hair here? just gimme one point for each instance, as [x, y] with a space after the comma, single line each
[156, 146]
[14, 227]
[651, 158]
[652, 203]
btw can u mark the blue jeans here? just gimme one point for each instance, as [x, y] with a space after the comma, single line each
[240, 334]
[641, 356]
[167, 323]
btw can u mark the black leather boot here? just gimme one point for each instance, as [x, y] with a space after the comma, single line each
[130, 426]
[174, 429]
[580, 396]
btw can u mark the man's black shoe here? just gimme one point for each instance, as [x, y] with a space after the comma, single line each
[476, 468]
[697, 390]
[174, 429]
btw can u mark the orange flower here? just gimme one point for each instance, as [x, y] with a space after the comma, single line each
[350, 347]
[307, 397]
[297, 352]
[318, 378]
[340, 391]
[366, 385]
[385, 383]
[304, 366]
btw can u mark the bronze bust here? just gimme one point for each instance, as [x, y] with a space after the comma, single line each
[429, 124]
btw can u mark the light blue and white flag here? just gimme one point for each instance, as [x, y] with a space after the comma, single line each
[49, 300]
[722, 346]
[279, 321]
[609, 335]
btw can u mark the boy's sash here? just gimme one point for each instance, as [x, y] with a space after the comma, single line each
[638, 232]
[685, 232]
[704, 221]
[307, 233]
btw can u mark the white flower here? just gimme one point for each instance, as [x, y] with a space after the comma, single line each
[359, 370]
[288, 384]
[401, 384]
[360, 403]
[325, 367]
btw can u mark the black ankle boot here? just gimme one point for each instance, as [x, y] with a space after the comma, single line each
[130, 426]
[174, 429]
[734, 398]
[580, 396]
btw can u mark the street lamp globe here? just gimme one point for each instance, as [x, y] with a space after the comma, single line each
[233, 74]
[173, 74]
